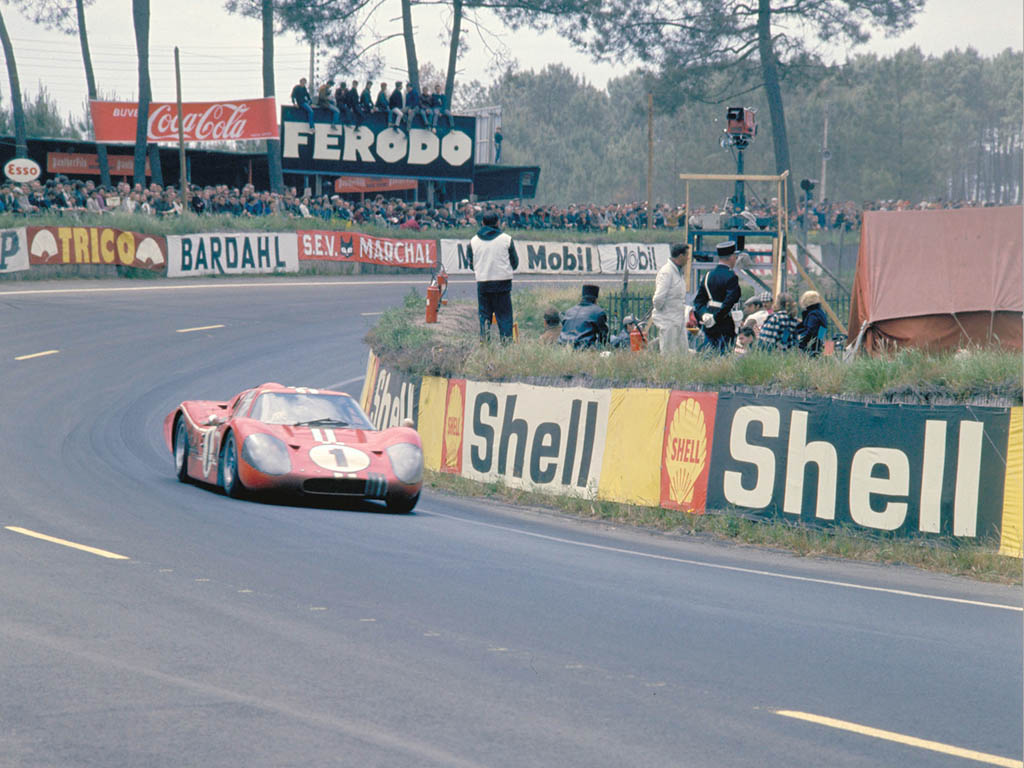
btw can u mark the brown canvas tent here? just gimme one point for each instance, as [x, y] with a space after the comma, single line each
[939, 279]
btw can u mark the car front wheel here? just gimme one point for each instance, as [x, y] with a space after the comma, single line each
[402, 505]
[229, 468]
[181, 449]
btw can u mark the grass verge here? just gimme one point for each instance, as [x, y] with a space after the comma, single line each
[975, 561]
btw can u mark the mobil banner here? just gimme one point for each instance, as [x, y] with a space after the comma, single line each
[636, 258]
[333, 245]
[391, 396]
[231, 254]
[908, 470]
[534, 438]
[13, 250]
[535, 258]
[96, 245]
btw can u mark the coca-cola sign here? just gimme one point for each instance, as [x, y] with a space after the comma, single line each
[115, 121]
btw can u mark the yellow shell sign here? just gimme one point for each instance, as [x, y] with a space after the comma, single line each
[451, 450]
[686, 452]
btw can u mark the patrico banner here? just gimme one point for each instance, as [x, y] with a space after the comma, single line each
[114, 121]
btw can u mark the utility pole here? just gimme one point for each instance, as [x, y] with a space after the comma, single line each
[825, 155]
[312, 60]
[650, 160]
[182, 175]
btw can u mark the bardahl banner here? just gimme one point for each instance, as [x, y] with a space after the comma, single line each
[638, 258]
[535, 438]
[905, 469]
[334, 245]
[13, 250]
[374, 149]
[245, 119]
[535, 258]
[231, 254]
[96, 245]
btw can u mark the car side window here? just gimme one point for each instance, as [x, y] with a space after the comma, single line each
[244, 403]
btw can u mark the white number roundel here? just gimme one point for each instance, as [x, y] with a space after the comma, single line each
[339, 458]
[22, 169]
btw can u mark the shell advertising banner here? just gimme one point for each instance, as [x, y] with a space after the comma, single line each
[686, 450]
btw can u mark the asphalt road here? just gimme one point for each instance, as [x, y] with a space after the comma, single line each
[469, 633]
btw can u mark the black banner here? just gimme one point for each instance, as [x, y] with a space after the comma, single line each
[370, 148]
[910, 470]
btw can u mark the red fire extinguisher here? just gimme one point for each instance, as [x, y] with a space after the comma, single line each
[433, 300]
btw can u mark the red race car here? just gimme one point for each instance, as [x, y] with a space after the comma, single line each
[294, 439]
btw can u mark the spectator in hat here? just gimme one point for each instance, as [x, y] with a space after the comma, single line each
[492, 257]
[755, 310]
[586, 324]
[669, 301]
[716, 296]
[552, 326]
[813, 324]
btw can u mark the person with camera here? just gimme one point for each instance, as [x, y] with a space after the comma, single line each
[716, 296]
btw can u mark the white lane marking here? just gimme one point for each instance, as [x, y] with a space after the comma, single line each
[353, 380]
[65, 543]
[902, 738]
[734, 568]
[198, 328]
[370, 314]
[38, 354]
[280, 284]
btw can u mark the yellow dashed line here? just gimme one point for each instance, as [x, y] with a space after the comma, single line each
[899, 738]
[65, 543]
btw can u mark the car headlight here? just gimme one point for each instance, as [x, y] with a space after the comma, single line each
[407, 462]
[267, 454]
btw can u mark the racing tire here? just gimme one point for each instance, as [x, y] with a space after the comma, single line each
[181, 449]
[229, 468]
[402, 505]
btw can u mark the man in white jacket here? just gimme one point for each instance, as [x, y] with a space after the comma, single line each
[492, 257]
[670, 302]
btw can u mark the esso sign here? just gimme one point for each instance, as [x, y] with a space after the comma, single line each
[22, 170]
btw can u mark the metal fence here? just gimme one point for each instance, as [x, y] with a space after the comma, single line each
[619, 304]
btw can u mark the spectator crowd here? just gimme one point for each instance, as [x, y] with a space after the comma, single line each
[64, 196]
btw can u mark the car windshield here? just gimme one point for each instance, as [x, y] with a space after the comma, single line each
[305, 409]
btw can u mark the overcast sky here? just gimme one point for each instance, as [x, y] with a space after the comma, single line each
[221, 53]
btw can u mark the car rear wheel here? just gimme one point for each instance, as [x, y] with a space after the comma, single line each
[229, 468]
[181, 449]
[402, 505]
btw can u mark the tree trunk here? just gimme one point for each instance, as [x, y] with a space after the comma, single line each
[140, 17]
[453, 52]
[410, 44]
[20, 131]
[770, 73]
[273, 145]
[90, 82]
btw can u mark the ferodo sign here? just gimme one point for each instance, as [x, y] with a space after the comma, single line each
[636, 257]
[535, 438]
[535, 258]
[231, 254]
[906, 469]
[13, 250]
[374, 149]
[333, 245]
[96, 245]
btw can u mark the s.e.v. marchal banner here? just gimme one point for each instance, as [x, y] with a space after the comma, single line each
[334, 245]
[231, 254]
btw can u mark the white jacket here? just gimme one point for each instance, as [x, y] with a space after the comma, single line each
[491, 258]
[669, 297]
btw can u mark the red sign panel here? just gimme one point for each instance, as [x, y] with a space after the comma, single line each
[333, 245]
[96, 245]
[453, 428]
[686, 450]
[114, 121]
[81, 163]
[369, 184]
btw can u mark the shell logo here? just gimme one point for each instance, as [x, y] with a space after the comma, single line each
[451, 460]
[687, 450]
